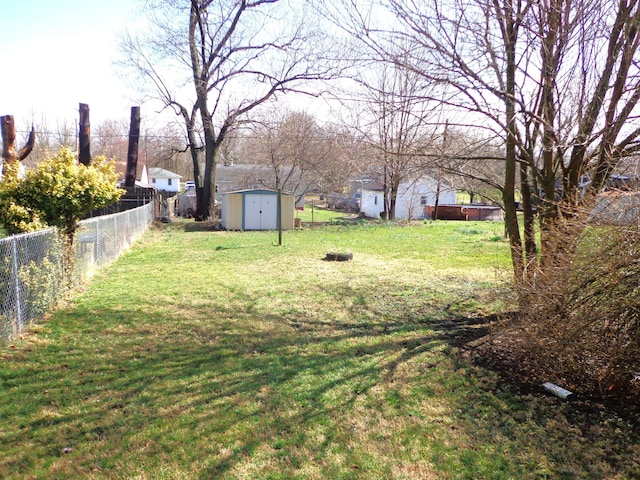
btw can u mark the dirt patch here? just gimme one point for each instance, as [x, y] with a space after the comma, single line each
[499, 350]
[204, 226]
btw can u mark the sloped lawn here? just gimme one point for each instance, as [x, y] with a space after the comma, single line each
[205, 354]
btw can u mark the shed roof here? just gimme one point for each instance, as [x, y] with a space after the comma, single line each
[231, 178]
[257, 191]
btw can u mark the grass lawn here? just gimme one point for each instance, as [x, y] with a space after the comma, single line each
[320, 214]
[204, 354]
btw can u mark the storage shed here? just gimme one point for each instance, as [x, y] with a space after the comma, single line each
[256, 210]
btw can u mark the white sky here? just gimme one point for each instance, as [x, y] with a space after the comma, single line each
[55, 54]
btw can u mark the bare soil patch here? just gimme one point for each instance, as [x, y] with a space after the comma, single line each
[499, 350]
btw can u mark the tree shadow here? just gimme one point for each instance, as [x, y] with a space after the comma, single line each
[225, 386]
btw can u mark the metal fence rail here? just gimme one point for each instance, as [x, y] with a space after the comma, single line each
[32, 266]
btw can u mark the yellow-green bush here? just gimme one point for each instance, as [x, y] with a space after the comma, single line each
[58, 192]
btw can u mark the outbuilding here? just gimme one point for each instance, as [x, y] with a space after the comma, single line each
[413, 195]
[257, 210]
[164, 180]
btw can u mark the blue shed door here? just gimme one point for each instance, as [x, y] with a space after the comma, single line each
[260, 212]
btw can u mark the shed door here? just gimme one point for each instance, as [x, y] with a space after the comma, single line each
[260, 212]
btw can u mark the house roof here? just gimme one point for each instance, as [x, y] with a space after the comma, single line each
[372, 186]
[376, 186]
[138, 183]
[156, 172]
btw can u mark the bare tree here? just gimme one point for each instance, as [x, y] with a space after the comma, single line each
[350, 156]
[469, 163]
[556, 81]
[396, 128]
[110, 140]
[237, 55]
[50, 138]
[295, 147]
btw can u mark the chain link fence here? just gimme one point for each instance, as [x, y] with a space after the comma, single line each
[33, 269]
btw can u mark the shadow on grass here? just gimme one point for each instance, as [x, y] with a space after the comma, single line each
[205, 226]
[231, 391]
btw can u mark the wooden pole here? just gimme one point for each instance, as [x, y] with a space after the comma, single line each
[280, 216]
[132, 153]
[84, 144]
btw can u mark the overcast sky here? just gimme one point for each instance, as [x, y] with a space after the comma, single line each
[55, 54]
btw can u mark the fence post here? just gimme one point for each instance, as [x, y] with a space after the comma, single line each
[98, 247]
[16, 282]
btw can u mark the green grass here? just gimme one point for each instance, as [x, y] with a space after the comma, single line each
[313, 214]
[221, 355]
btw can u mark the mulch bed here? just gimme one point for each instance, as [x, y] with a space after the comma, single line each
[498, 351]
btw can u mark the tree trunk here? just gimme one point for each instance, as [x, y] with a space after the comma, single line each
[437, 202]
[531, 249]
[9, 154]
[84, 136]
[205, 208]
[393, 199]
[508, 194]
[132, 153]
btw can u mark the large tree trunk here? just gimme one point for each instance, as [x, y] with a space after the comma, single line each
[205, 208]
[508, 193]
[12, 158]
[530, 243]
[84, 136]
[132, 153]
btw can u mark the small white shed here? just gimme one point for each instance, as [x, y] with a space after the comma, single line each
[256, 210]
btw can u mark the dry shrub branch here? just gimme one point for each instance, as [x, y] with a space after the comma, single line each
[579, 325]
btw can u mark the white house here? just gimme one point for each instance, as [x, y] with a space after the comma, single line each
[412, 197]
[164, 179]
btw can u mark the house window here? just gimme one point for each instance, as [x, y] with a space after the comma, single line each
[375, 200]
[168, 181]
[153, 180]
[423, 200]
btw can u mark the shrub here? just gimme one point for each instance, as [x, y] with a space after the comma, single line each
[59, 192]
[63, 191]
[580, 324]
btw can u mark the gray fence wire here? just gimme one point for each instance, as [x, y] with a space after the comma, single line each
[31, 264]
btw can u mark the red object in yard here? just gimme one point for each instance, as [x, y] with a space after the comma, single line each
[465, 212]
